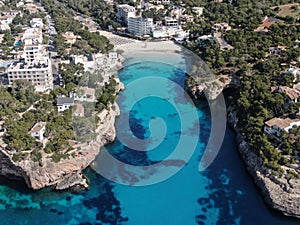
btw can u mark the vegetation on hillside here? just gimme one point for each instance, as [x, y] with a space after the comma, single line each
[258, 71]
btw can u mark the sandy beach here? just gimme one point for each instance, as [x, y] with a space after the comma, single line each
[163, 51]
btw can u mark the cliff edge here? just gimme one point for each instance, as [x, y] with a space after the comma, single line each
[279, 193]
[67, 172]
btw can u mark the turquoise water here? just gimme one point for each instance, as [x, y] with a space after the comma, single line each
[222, 194]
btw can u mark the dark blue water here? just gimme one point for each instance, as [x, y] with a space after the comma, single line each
[222, 194]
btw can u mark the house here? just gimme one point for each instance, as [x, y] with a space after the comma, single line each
[79, 110]
[20, 4]
[36, 23]
[13, 13]
[292, 95]
[113, 55]
[2, 129]
[86, 60]
[38, 131]
[186, 19]
[168, 32]
[221, 27]
[157, 7]
[64, 103]
[205, 40]
[277, 50]
[198, 10]
[70, 37]
[4, 27]
[6, 19]
[32, 8]
[266, 24]
[84, 94]
[276, 126]
[295, 72]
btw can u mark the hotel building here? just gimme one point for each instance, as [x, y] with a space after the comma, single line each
[140, 26]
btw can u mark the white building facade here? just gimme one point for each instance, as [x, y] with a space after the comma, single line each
[140, 26]
[35, 65]
[125, 12]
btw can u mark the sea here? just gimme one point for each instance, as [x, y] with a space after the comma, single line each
[176, 192]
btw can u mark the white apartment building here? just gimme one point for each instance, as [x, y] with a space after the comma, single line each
[39, 73]
[32, 52]
[170, 22]
[140, 26]
[125, 12]
[35, 65]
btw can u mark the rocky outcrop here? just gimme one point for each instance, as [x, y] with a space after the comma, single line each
[279, 193]
[209, 87]
[67, 172]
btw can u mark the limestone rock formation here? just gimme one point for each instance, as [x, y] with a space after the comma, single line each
[67, 172]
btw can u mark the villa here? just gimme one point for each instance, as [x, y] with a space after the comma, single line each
[198, 10]
[70, 37]
[204, 40]
[38, 131]
[292, 95]
[221, 27]
[276, 126]
[277, 50]
[64, 103]
[36, 23]
[84, 94]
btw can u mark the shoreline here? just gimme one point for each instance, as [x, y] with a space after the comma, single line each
[275, 194]
[153, 51]
[67, 173]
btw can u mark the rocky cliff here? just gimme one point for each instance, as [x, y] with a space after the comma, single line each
[279, 193]
[209, 88]
[67, 172]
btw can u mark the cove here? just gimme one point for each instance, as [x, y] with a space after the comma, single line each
[223, 194]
